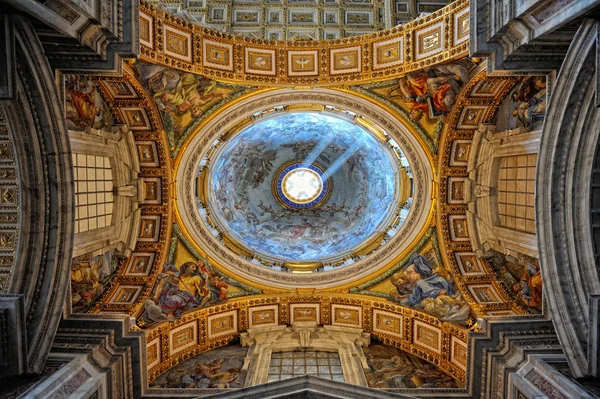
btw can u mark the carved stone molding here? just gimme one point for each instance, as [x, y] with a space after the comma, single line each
[44, 160]
[565, 190]
[85, 36]
[13, 335]
[524, 36]
[102, 356]
[346, 341]
[308, 387]
[514, 361]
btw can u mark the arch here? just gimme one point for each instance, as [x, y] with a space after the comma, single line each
[563, 205]
[43, 156]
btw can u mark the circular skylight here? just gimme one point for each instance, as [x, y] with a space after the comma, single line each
[302, 185]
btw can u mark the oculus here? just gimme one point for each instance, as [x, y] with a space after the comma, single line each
[301, 185]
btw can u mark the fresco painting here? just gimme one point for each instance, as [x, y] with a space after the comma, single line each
[186, 282]
[520, 276]
[219, 368]
[183, 98]
[192, 285]
[390, 367]
[363, 177]
[89, 276]
[424, 285]
[421, 282]
[432, 92]
[525, 106]
[84, 106]
[424, 97]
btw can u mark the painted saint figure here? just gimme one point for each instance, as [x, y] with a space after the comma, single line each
[423, 287]
[529, 287]
[191, 286]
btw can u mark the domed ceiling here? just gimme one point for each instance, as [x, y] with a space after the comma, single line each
[257, 188]
[303, 187]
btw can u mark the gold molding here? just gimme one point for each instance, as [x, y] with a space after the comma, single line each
[233, 66]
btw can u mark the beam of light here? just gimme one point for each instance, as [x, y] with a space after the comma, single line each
[319, 148]
[340, 161]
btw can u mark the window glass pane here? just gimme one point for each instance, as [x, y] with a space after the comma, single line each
[93, 191]
[325, 365]
[516, 180]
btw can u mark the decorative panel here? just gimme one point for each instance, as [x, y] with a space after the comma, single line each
[345, 60]
[263, 316]
[302, 63]
[222, 324]
[140, 263]
[310, 59]
[217, 55]
[177, 43]
[183, 337]
[126, 294]
[387, 323]
[305, 312]
[427, 336]
[349, 316]
[153, 353]
[388, 53]
[429, 40]
[458, 353]
[260, 61]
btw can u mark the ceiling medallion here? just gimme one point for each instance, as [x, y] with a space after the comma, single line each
[298, 185]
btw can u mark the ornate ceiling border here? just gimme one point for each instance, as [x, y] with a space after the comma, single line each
[226, 260]
[438, 37]
[11, 197]
[127, 290]
[481, 289]
[442, 344]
